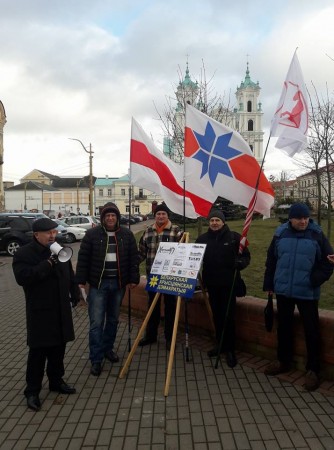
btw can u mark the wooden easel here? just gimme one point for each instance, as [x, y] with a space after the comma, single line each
[185, 238]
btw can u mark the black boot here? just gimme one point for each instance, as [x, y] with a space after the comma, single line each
[33, 402]
[231, 359]
[147, 341]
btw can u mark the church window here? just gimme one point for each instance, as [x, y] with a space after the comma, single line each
[249, 106]
[250, 125]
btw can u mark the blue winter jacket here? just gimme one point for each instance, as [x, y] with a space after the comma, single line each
[297, 262]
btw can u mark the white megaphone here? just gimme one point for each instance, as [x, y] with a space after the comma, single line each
[63, 253]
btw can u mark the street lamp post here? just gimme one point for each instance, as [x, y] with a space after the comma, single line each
[90, 152]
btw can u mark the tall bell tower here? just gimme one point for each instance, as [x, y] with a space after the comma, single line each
[249, 115]
[2, 124]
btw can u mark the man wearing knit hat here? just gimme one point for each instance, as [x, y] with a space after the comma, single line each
[49, 289]
[161, 231]
[296, 267]
[221, 275]
[107, 264]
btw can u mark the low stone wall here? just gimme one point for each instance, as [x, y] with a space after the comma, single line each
[252, 336]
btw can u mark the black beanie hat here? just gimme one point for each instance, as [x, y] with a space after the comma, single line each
[43, 224]
[298, 211]
[161, 207]
[110, 208]
[216, 213]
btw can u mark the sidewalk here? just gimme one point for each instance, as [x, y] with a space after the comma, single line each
[206, 408]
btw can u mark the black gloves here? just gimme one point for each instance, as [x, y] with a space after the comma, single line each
[53, 260]
[239, 264]
[74, 302]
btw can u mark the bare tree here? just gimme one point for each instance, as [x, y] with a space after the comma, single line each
[320, 151]
[199, 93]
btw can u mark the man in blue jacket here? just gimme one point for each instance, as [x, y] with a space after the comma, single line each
[296, 267]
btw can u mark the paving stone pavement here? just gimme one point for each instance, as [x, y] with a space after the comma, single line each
[206, 408]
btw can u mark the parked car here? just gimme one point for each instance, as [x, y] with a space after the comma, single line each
[81, 221]
[137, 218]
[73, 233]
[125, 219]
[16, 231]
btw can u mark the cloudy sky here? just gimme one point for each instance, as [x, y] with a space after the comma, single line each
[81, 69]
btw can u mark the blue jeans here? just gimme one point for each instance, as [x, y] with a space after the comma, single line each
[103, 308]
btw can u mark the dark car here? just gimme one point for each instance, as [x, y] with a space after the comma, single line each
[16, 230]
[124, 220]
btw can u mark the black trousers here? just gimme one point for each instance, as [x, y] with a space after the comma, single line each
[223, 309]
[153, 323]
[37, 357]
[309, 314]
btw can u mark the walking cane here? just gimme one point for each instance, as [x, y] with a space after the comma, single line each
[186, 326]
[129, 320]
[225, 321]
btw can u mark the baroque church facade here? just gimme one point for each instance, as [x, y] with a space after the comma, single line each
[245, 116]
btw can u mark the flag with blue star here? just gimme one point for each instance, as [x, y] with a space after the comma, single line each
[219, 162]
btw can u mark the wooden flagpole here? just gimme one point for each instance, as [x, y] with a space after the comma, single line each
[140, 333]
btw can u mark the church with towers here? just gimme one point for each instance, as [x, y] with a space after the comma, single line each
[245, 116]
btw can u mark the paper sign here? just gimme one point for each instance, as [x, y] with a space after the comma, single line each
[175, 268]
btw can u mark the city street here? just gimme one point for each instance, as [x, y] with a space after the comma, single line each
[206, 408]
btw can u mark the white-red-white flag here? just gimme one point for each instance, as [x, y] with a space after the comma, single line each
[290, 122]
[151, 169]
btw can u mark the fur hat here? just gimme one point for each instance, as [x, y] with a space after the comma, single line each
[161, 207]
[216, 213]
[299, 210]
[110, 208]
[43, 224]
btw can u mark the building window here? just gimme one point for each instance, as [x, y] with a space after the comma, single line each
[249, 106]
[109, 192]
[250, 125]
[100, 192]
[127, 208]
[141, 193]
[122, 191]
[251, 147]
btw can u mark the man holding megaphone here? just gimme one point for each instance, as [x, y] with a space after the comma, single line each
[44, 270]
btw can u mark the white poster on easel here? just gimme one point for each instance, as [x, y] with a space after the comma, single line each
[175, 268]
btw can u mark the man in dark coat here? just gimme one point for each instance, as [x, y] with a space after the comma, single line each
[221, 274]
[107, 264]
[49, 289]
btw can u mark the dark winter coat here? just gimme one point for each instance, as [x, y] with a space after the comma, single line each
[92, 254]
[49, 292]
[221, 257]
[297, 262]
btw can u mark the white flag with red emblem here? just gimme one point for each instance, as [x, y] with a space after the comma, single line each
[290, 123]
